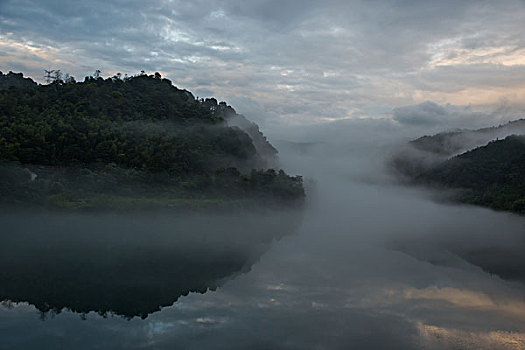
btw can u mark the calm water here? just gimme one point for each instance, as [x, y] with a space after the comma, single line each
[368, 265]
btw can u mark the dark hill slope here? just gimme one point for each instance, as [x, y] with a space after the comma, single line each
[143, 123]
[492, 175]
[261, 144]
[16, 80]
[126, 138]
[450, 143]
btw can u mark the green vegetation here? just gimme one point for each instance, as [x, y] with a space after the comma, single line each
[485, 166]
[125, 143]
[454, 142]
[16, 80]
[492, 175]
[441, 143]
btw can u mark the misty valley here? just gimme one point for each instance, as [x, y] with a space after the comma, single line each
[136, 215]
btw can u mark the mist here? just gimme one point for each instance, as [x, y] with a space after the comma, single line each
[124, 264]
[369, 263]
[297, 212]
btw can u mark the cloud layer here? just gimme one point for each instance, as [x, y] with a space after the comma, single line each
[293, 61]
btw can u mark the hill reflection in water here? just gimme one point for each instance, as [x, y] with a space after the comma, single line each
[128, 265]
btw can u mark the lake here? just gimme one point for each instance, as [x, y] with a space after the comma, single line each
[368, 264]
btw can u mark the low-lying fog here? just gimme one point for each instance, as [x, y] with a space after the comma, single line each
[372, 265]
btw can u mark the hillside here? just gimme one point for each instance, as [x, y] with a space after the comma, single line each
[261, 144]
[492, 175]
[16, 80]
[485, 166]
[455, 142]
[131, 142]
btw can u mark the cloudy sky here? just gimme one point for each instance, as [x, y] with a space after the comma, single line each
[291, 61]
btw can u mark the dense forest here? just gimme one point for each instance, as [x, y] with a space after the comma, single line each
[458, 141]
[125, 142]
[15, 80]
[491, 175]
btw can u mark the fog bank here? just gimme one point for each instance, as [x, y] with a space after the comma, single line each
[373, 265]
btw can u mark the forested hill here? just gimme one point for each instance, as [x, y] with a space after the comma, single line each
[261, 144]
[455, 142]
[111, 137]
[492, 175]
[15, 80]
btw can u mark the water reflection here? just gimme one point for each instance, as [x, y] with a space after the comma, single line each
[494, 243]
[373, 266]
[123, 264]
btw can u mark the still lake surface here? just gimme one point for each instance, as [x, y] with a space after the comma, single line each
[367, 265]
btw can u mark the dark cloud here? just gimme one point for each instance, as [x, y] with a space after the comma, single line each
[432, 116]
[426, 113]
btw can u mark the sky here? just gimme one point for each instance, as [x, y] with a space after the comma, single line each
[293, 62]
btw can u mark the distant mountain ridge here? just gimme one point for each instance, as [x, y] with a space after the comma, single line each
[485, 166]
[492, 175]
[456, 142]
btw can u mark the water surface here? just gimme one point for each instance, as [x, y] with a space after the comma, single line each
[369, 265]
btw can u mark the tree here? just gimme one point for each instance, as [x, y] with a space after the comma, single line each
[69, 79]
[49, 75]
[57, 77]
